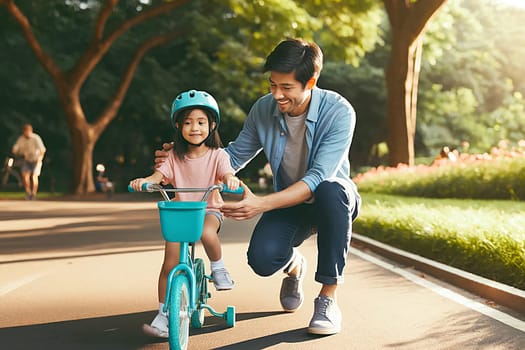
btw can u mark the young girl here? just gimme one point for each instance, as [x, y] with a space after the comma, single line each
[197, 160]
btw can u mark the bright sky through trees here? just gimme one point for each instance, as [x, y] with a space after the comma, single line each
[515, 3]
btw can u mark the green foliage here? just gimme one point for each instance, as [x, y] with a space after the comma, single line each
[483, 237]
[364, 87]
[501, 178]
[471, 84]
[222, 51]
[264, 23]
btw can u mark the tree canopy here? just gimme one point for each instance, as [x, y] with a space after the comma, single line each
[219, 46]
[203, 29]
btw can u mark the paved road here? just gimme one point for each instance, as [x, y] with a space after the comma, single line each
[82, 275]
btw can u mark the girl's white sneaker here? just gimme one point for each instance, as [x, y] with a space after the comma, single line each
[158, 327]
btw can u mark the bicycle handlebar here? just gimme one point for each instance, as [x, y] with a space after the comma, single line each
[150, 187]
[146, 187]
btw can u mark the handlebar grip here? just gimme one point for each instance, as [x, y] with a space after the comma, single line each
[225, 189]
[146, 187]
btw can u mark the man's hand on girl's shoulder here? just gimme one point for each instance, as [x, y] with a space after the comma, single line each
[162, 154]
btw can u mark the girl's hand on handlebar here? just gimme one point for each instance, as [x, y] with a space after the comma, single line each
[233, 182]
[136, 184]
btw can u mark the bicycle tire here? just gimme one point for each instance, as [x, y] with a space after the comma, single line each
[179, 318]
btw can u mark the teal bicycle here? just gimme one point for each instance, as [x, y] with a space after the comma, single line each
[187, 289]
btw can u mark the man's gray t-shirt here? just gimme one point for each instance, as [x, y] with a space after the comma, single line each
[293, 164]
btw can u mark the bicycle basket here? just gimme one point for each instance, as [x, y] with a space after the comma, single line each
[182, 221]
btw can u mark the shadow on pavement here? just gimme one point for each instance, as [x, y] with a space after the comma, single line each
[124, 332]
[298, 335]
[113, 332]
[214, 323]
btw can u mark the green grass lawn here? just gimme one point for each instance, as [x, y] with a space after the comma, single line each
[21, 195]
[485, 237]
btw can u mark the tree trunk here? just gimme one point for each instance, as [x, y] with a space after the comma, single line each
[402, 78]
[408, 20]
[83, 138]
[83, 147]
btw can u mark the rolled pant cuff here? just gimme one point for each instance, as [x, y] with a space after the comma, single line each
[329, 280]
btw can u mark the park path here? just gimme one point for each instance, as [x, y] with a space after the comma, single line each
[82, 275]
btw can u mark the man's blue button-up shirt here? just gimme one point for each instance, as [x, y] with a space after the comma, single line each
[330, 124]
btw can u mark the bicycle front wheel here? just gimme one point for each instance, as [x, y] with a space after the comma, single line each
[179, 316]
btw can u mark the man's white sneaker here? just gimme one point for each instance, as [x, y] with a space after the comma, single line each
[221, 279]
[158, 327]
[327, 317]
[292, 294]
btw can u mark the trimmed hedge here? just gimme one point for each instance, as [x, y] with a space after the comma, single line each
[500, 178]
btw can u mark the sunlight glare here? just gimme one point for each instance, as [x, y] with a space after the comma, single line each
[512, 3]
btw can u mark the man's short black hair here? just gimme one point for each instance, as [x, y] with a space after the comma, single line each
[303, 58]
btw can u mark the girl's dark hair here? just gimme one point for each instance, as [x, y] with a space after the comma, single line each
[298, 56]
[181, 145]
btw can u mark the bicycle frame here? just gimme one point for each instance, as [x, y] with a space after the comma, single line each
[185, 265]
[186, 290]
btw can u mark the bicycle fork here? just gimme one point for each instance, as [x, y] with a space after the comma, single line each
[185, 267]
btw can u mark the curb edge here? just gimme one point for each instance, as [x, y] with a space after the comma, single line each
[500, 293]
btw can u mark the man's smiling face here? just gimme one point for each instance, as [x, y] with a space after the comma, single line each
[291, 96]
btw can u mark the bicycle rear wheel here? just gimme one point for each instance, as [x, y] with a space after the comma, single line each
[179, 317]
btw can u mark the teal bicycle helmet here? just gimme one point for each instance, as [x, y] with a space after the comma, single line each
[194, 99]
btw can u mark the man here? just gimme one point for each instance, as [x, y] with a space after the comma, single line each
[305, 133]
[30, 147]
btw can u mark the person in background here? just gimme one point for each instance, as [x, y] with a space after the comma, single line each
[102, 182]
[30, 147]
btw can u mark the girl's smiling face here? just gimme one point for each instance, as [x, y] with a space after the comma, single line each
[195, 127]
